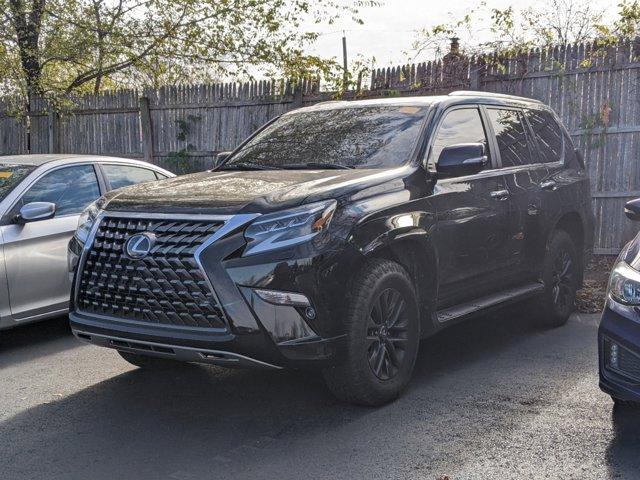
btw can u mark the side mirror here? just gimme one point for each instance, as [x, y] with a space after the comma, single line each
[632, 210]
[462, 159]
[220, 158]
[36, 211]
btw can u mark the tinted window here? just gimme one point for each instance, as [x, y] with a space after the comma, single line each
[570, 156]
[511, 136]
[548, 135]
[12, 175]
[458, 126]
[377, 136]
[70, 188]
[122, 175]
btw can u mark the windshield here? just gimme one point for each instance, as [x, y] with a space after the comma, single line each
[12, 175]
[366, 137]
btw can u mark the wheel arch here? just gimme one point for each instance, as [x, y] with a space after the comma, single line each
[417, 256]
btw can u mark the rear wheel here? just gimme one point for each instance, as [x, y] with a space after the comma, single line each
[560, 275]
[625, 403]
[151, 363]
[383, 337]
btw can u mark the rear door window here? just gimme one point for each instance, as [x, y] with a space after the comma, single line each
[511, 136]
[548, 134]
[462, 125]
[124, 175]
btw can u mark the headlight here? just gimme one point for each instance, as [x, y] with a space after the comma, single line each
[624, 284]
[85, 222]
[290, 227]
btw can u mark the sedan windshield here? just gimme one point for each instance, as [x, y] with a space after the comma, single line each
[12, 175]
[359, 137]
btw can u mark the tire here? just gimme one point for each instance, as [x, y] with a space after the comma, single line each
[560, 275]
[383, 335]
[625, 404]
[151, 363]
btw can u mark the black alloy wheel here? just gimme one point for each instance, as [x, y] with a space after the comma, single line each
[561, 276]
[387, 334]
[383, 336]
[563, 280]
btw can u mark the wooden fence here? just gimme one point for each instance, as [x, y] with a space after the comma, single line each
[593, 89]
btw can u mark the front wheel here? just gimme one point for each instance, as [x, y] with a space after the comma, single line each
[625, 404]
[383, 334]
[560, 277]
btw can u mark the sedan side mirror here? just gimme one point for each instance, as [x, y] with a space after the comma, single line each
[462, 159]
[632, 210]
[220, 158]
[36, 211]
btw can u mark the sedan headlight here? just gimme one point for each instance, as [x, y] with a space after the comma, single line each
[624, 284]
[85, 222]
[289, 227]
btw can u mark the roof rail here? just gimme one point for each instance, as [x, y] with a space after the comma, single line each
[473, 93]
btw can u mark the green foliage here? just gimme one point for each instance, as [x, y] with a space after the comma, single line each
[626, 25]
[596, 126]
[61, 47]
[179, 160]
[435, 40]
[184, 126]
[516, 31]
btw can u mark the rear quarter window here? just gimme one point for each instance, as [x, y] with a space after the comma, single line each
[124, 175]
[549, 136]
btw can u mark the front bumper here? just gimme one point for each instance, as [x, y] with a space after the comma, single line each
[260, 334]
[620, 326]
[230, 351]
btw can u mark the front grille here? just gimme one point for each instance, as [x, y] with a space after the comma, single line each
[165, 287]
[622, 361]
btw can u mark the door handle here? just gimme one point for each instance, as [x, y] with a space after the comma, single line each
[548, 185]
[500, 194]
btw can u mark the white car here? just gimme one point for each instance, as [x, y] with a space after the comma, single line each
[41, 198]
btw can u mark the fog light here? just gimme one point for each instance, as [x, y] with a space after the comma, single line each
[310, 313]
[613, 355]
[283, 298]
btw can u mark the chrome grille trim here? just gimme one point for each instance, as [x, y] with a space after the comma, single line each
[230, 223]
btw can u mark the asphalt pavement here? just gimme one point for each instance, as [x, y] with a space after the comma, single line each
[496, 398]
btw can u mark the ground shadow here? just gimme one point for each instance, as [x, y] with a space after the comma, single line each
[623, 453]
[200, 418]
[473, 340]
[35, 340]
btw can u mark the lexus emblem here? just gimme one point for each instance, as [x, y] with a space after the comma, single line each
[139, 245]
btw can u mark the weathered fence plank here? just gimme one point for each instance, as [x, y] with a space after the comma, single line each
[183, 127]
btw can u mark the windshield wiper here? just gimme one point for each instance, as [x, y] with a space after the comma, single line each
[247, 166]
[320, 165]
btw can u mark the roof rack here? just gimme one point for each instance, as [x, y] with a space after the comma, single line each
[473, 93]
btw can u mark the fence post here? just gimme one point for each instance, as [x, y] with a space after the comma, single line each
[147, 130]
[54, 134]
[297, 95]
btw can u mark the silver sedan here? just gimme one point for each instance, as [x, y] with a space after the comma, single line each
[41, 198]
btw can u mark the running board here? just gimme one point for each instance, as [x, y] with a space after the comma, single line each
[480, 304]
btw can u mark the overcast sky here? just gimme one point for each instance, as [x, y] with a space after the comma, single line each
[389, 30]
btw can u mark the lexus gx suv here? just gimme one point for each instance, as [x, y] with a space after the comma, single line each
[336, 237]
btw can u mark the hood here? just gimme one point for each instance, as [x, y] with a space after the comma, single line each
[260, 191]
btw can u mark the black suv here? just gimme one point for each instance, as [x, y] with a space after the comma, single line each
[336, 237]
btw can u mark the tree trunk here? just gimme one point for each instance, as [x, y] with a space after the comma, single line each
[27, 26]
